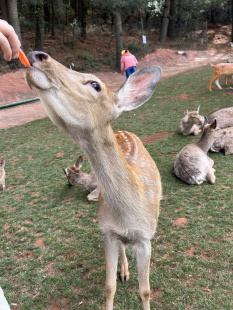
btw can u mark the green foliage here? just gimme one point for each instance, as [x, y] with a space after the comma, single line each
[51, 254]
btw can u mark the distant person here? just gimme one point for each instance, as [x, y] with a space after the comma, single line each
[9, 41]
[128, 63]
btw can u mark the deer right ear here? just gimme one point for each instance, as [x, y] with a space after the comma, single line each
[138, 88]
[79, 162]
[186, 112]
[198, 108]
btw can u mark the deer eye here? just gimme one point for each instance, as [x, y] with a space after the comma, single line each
[96, 86]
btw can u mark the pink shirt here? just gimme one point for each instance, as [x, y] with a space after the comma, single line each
[128, 60]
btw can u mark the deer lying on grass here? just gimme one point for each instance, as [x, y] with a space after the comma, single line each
[2, 174]
[192, 123]
[192, 165]
[224, 117]
[88, 180]
[221, 69]
[130, 184]
[223, 141]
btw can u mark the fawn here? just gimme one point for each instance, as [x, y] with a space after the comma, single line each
[192, 123]
[2, 174]
[221, 69]
[129, 181]
[192, 165]
[88, 180]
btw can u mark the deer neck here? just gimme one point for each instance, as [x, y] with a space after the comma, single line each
[115, 177]
[205, 141]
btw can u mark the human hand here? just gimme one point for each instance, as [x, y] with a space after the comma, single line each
[9, 42]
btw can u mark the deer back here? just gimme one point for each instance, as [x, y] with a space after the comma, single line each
[224, 117]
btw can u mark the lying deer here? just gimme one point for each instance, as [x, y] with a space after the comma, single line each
[224, 117]
[223, 141]
[88, 180]
[192, 165]
[221, 69]
[129, 181]
[192, 123]
[2, 174]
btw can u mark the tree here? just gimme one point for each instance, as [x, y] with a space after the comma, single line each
[119, 8]
[171, 31]
[165, 21]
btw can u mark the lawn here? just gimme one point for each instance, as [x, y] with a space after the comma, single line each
[51, 252]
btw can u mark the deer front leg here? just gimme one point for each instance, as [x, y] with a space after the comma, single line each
[143, 254]
[111, 247]
[124, 265]
[226, 79]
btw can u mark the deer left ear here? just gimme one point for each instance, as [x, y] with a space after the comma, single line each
[137, 89]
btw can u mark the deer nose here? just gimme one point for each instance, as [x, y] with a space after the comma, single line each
[37, 57]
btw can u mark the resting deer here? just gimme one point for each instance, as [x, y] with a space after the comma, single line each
[192, 165]
[221, 69]
[88, 180]
[2, 174]
[224, 117]
[223, 141]
[129, 181]
[192, 123]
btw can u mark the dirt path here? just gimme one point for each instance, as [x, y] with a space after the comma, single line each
[14, 88]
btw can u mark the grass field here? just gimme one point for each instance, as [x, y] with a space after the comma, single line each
[51, 248]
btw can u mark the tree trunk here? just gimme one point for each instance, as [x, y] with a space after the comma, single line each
[82, 13]
[13, 17]
[4, 11]
[232, 21]
[165, 21]
[119, 45]
[172, 22]
[39, 43]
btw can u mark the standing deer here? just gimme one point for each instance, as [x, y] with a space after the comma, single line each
[192, 165]
[88, 180]
[192, 123]
[221, 69]
[2, 174]
[130, 184]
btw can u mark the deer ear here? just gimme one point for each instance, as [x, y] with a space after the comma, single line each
[138, 88]
[186, 112]
[2, 162]
[198, 108]
[214, 124]
[79, 162]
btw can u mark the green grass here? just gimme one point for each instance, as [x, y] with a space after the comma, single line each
[51, 248]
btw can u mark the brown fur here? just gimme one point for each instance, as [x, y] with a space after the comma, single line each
[88, 180]
[129, 181]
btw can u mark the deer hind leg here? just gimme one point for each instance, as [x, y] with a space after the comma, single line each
[210, 176]
[124, 265]
[111, 248]
[217, 83]
[94, 195]
[211, 81]
[226, 79]
[143, 254]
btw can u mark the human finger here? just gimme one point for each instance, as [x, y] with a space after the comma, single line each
[5, 47]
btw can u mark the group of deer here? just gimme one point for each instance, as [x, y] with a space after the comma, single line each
[125, 179]
[192, 165]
